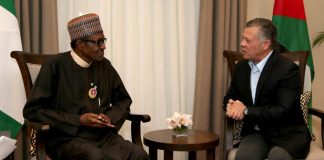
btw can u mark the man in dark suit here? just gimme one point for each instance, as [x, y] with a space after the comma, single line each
[264, 93]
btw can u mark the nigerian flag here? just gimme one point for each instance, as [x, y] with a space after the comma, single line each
[12, 95]
[290, 19]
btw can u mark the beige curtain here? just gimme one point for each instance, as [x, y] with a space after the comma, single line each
[39, 34]
[220, 27]
[38, 25]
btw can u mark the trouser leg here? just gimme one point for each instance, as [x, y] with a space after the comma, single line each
[252, 146]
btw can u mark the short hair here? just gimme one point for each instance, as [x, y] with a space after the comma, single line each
[267, 29]
[73, 44]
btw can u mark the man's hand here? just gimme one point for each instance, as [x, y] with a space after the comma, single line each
[95, 120]
[235, 109]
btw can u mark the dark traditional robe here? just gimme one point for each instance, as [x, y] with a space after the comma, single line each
[60, 95]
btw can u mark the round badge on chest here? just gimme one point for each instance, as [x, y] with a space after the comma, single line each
[93, 91]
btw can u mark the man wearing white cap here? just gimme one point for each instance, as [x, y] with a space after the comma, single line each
[81, 96]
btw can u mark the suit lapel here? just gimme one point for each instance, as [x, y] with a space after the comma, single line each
[246, 82]
[266, 72]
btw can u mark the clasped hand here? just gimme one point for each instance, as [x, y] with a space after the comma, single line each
[235, 109]
[95, 120]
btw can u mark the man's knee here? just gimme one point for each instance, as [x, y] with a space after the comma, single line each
[278, 153]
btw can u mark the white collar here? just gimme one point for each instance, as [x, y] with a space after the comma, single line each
[262, 63]
[77, 59]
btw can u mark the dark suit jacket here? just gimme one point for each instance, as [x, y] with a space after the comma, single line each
[277, 109]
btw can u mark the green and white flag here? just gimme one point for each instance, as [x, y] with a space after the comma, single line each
[12, 94]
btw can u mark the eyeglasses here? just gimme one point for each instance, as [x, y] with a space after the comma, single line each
[99, 42]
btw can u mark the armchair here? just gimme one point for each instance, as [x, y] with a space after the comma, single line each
[32, 132]
[232, 128]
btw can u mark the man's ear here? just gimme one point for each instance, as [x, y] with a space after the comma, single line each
[79, 44]
[266, 44]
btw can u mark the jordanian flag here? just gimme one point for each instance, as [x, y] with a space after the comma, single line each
[12, 95]
[290, 20]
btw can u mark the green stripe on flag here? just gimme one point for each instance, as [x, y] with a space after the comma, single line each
[9, 5]
[288, 32]
[293, 35]
[9, 124]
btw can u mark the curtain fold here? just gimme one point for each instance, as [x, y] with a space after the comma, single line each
[220, 25]
[38, 25]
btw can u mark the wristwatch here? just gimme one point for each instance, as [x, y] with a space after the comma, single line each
[245, 111]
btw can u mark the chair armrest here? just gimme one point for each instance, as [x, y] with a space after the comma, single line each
[320, 114]
[136, 120]
[316, 112]
[37, 126]
[139, 117]
[33, 144]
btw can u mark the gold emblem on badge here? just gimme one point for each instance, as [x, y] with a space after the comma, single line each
[92, 91]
